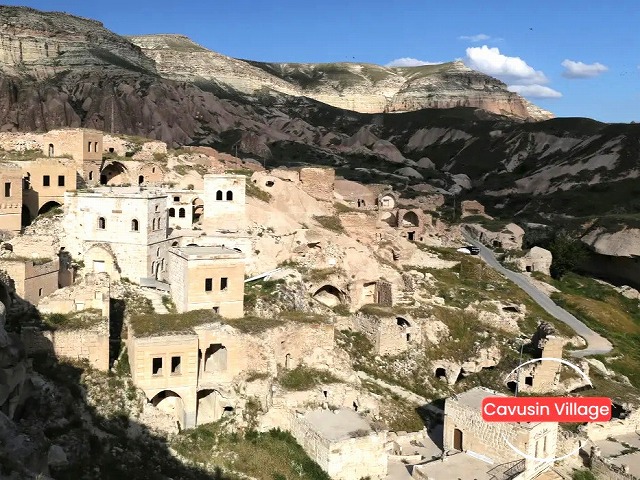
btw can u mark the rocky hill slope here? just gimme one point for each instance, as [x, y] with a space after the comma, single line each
[360, 87]
[58, 70]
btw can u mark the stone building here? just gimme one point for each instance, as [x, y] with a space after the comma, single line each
[535, 260]
[11, 204]
[190, 375]
[45, 183]
[79, 143]
[32, 279]
[342, 443]
[387, 200]
[465, 430]
[411, 223]
[207, 278]
[121, 231]
[389, 335]
[225, 202]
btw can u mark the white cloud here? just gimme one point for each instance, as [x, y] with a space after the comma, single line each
[409, 62]
[582, 70]
[481, 37]
[510, 69]
[534, 91]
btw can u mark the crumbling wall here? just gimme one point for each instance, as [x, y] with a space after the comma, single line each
[90, 344]
[596, 431]
[318, 182]
[605, 469]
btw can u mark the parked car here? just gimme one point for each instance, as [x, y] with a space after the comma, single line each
[469, 250]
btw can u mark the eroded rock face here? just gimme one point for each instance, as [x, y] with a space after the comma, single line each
[363, 88]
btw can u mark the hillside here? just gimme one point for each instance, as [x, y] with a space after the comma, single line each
[359, 87]
[70, 71]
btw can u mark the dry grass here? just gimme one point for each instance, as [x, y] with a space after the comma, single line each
[264, 456]
[330, 222]
[146, 325]
[73, 321]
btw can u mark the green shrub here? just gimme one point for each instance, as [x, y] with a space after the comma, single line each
[304, 378]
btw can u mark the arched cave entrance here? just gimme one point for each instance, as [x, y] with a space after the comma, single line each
[328, 295]
[441, 373]
[113, 173]
[211, 406]
[410, 219]
[170, 403]
[26, 216]
[215, 358]
[48, 207]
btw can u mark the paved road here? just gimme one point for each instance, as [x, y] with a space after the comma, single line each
[596, 344]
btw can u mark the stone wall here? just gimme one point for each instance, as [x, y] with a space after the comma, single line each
[92, 293]
[90, 344]
[318, 182]
[11, 198]
[359, 225]
[472, 207]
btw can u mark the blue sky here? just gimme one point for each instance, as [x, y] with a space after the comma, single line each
[575, 58]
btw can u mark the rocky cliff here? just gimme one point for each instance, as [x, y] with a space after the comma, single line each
[360, 87]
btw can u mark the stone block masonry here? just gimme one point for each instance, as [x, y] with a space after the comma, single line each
[90, 344]
[318, 182]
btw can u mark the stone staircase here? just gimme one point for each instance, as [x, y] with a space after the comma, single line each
[156, 300]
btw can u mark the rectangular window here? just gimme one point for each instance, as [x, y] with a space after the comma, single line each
[208, 284]
[95, 146]
[46, 181]
[7, 189]
[61, 180]
[88, 146]
[176, 199]
[224, 283]
[175, 364]
[40, 292]
[157, 366]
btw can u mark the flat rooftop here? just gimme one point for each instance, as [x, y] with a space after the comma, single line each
[473, 398]
[137, 192]
[208, 252]
[337, 425]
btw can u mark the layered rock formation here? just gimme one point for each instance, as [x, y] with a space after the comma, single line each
[363, 88]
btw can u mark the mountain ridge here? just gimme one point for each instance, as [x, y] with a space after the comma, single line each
[360, 87]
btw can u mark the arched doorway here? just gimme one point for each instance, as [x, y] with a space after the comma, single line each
[457, 439]
[47, 207]
[198, 209]
[215, 358]
[51, 150]
[441, 373]
[170, 403]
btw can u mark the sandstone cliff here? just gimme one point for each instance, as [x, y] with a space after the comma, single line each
[363, 88]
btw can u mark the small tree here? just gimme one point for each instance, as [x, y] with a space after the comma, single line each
[568, 254]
